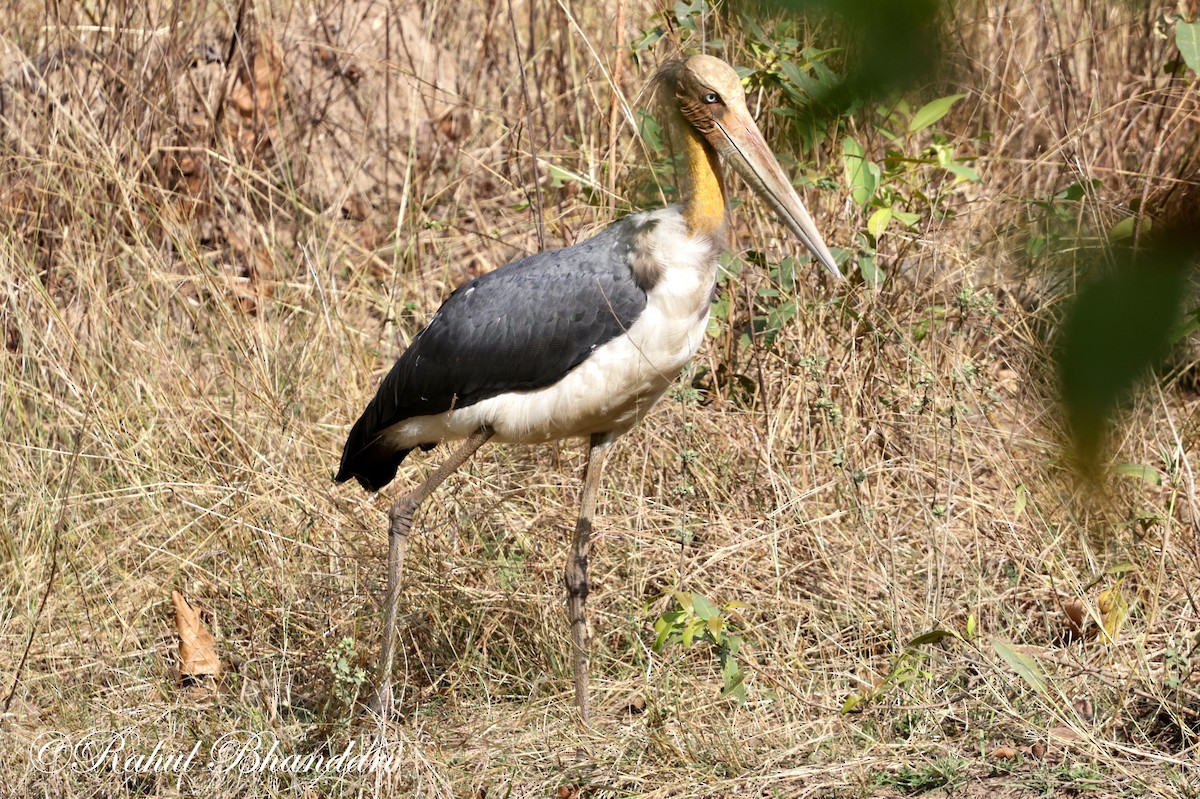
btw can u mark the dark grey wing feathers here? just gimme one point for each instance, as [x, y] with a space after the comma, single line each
[519, 328]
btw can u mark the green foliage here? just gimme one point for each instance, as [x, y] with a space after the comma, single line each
[348, 678]
[1187, 39]
[801, 76]
[685, 22]
[1057, 224]
[1180, 666]
[932, 111]
[906, 668]
[697, 619]
[891, 45]
[773, 306]
[944, 772]
[905, 187]
[1141, 471]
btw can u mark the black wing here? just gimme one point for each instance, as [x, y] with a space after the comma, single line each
[519, 328]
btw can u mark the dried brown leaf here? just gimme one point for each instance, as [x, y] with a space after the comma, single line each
[197, 648]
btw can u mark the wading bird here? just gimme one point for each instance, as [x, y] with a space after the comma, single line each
[577, 342]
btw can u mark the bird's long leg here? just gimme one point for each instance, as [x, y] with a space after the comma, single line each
[400, 520]
[577, 573]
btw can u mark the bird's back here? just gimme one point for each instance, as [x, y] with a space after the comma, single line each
[520, 328]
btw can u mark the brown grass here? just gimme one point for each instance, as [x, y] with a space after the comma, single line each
[208, 256]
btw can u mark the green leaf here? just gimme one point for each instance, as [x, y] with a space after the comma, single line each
[734, 677]
[932, 111]
[1037, 245]
[909, 219]
[851, 702]
[962, 172]
[879, 222]
[781, 314]
[1187, 39]
[1077, 190]
[1022, 498]
[1115, 331]
[703, 608]
[1121, 567]
[862, 176]
[1141, 471]
[663, 629]
[931, 637]
[1022, 664]
[1123, 229]
[1190, 324]
[689, 633]
[872, 275]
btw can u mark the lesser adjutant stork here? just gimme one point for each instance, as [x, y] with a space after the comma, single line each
[577, 342]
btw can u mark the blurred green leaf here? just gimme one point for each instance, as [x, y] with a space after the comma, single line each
[1117, 329]
[932, 111]
[891, 45]
[1077, 191]
[872, 275]
[963, 172]
[862, 176]
[1187, 39]
[1120, 567]
[1141, 471]
[1023, 664]
[879, 222]
[703, 608]
[1189, 325]
[1022, 499]
[931, 637]
[663, 628]
[687, 634]
[1123, 229]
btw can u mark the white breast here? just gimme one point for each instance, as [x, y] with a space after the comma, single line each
[621, 380]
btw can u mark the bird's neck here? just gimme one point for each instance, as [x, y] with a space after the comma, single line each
[702, 186]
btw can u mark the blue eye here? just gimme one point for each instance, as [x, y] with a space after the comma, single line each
[711, 98]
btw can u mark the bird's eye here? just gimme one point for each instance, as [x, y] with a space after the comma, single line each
[710, 98]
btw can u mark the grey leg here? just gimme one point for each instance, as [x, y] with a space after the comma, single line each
[577, 573]
[401, 518]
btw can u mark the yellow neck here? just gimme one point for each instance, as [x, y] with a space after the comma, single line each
[702, 187]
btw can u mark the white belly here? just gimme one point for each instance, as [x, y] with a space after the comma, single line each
[618, 384]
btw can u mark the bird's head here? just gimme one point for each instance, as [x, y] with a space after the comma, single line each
[708, 95]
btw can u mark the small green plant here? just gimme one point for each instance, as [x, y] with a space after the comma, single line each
[697, 619]
[944, 772]
[1057, 225]
[348, 677]
[906, 669]
[1180, 666]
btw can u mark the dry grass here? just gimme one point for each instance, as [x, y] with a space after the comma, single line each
[208, 260]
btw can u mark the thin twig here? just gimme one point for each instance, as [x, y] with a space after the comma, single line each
[56, 536]
[539, 219]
